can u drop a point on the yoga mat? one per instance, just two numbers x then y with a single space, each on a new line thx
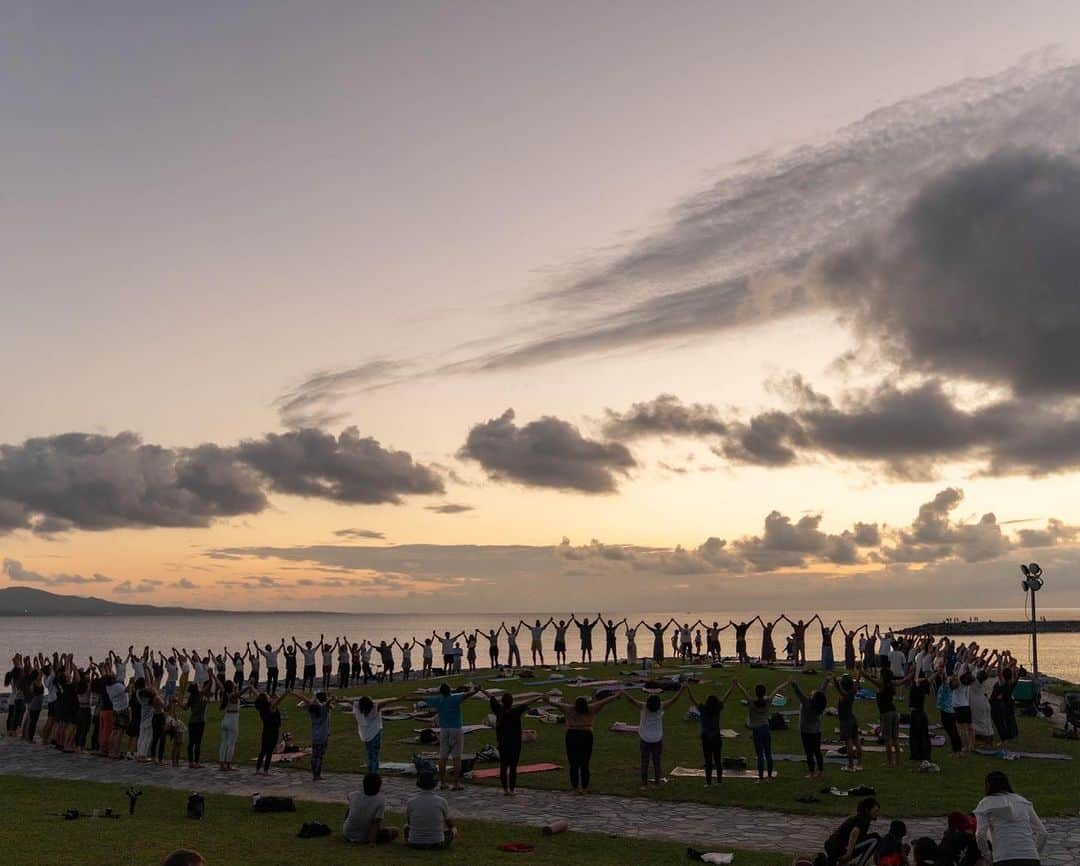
465 729
555 827
404 767
493 772
623 728
697 773
285 757
1042 756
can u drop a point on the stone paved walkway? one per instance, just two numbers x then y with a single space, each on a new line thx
695 824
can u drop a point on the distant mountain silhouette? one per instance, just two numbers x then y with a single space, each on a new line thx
26 601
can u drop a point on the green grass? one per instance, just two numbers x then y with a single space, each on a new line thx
32 833
615 763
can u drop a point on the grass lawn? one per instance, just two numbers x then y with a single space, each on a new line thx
230 832
615 763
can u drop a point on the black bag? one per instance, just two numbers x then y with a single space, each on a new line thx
777 722
734 763
311 829
428 737
196 806
274 804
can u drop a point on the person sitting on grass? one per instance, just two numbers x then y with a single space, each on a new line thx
843 845
364 819
651 733
451 739
428 825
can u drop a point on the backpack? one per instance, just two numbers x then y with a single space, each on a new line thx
311 829
196 806
274 804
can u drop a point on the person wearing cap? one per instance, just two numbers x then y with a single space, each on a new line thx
428 825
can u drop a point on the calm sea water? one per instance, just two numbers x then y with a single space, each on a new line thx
1059 654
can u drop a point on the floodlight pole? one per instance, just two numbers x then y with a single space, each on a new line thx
1034 645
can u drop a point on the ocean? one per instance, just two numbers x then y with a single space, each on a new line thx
1059 654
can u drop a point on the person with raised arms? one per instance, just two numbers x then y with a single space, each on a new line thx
269 713
658 637
513 654
492 637
447 641
451 740
631 644
758 710
309 652
406 656
712 743
741 628
369 725
580 720
585 630
537 644
290 664
508 732
610 628
651 732
560 641
271 657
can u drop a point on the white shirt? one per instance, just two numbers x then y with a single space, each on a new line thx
270 656
170 673
447 645
886 646
369 726
651 725
121 672
185 668
138 669
118 695
896 663
309 655
1012 826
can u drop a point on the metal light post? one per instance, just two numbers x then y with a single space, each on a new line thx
1033 582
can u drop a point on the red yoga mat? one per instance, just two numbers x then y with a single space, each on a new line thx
493 772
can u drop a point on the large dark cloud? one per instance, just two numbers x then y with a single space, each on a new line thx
346 468
548 452
731 254
907 430
666 415
933 535
16 573
96 482
978 278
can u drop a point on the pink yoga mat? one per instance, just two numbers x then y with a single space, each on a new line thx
493 772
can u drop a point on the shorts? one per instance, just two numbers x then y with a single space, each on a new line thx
537 646
560 646
448 661
890 728
963 715
451 741
309 672
849 729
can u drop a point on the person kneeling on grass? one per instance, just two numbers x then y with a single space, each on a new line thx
843 845
367 808
428 825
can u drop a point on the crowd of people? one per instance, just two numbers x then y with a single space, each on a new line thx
151 706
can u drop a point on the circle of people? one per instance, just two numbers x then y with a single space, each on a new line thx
97 706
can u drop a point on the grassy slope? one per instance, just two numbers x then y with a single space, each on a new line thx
615 759
231 833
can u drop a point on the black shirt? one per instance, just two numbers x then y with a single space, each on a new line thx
508 721
917 694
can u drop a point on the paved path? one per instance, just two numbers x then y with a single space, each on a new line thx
695 824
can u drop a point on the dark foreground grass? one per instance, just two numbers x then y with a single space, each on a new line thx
1050 784
32 834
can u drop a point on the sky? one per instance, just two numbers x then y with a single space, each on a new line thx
488 306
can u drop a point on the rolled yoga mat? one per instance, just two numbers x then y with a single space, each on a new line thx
555 827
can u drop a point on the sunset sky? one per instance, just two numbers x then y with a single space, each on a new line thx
507 306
